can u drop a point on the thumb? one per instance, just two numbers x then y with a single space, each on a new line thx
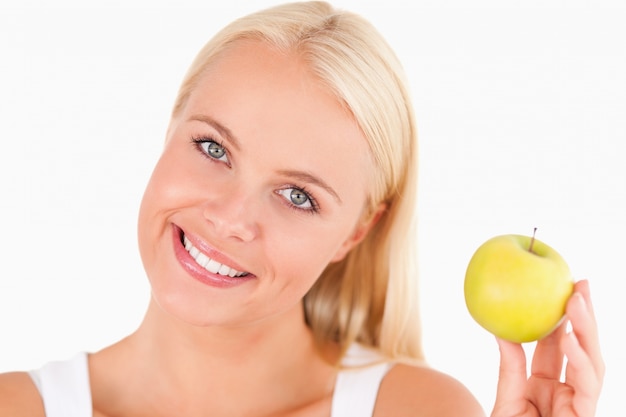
512 377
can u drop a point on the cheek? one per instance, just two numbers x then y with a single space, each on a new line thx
146 225
164 192
150 201
171 185
300 259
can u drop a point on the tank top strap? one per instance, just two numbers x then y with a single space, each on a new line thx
64 387
357 384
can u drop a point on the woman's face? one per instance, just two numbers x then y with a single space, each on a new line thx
262 182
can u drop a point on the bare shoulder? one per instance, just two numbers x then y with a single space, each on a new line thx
408 389
19 396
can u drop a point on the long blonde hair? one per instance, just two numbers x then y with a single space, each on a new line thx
370 296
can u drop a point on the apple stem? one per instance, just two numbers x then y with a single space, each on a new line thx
532 241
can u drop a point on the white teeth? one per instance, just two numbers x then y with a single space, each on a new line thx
202 259
224 270
208 263
213 266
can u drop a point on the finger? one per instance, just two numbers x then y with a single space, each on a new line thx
585 328
581 376
548 356
512 376
582 287
579 365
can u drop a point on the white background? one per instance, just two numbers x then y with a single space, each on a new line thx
521 109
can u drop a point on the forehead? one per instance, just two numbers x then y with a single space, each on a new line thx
264 94
256 68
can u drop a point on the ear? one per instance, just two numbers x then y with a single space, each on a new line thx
365 224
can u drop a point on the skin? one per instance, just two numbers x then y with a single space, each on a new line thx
543 393
202 348
240 204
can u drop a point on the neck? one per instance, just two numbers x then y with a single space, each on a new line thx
163 336
266 362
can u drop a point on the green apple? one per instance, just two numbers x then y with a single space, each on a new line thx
517 287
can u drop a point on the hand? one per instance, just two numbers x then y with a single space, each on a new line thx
544 394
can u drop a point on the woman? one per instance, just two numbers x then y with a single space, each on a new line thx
276 235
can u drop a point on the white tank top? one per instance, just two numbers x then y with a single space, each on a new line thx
64 385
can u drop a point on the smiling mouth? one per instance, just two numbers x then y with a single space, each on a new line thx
209 264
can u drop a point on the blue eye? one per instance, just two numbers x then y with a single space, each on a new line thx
299 199
212 149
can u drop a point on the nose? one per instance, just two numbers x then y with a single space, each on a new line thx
232 215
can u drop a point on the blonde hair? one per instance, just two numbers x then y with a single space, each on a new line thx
370 296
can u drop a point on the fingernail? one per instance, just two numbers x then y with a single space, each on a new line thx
572 337
578 298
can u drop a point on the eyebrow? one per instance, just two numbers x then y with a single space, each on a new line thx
299 175
221 129
311 179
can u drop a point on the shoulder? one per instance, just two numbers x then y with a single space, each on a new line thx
19 396
407 389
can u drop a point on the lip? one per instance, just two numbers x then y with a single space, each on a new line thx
198 272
